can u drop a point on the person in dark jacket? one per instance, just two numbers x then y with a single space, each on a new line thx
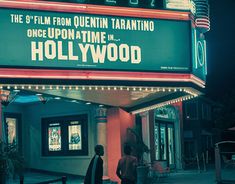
94 172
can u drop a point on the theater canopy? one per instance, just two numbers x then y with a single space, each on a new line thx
102 49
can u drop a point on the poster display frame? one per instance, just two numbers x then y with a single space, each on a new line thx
64 122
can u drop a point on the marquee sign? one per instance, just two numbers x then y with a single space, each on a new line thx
40 39
199 55
125 3
185 5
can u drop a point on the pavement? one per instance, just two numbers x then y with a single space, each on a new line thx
179 177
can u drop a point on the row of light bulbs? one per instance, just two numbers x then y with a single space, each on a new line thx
169 102
190 93
89 87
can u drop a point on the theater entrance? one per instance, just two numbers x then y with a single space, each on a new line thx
165 142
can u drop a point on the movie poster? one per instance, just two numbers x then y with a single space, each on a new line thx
11 130
54 136
75 141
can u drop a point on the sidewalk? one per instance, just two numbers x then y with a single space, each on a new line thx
190 177
194 177
180 177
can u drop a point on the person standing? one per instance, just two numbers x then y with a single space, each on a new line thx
94 172
126 168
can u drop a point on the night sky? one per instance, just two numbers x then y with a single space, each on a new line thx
221 49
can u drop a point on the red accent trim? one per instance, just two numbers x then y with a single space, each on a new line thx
97 75
96 9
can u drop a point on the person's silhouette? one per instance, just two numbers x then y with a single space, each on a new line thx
126 169
94 172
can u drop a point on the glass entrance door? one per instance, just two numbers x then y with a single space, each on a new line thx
170 139
164 142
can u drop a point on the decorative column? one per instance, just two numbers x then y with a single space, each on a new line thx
101 120
1 124
146 133
4 101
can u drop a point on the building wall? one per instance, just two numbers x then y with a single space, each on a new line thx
118 122
179 135
198 127
31 126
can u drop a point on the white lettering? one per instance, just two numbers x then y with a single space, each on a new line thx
98 55
60 52
67 51
71 56
84 51
50 49
135 54
112 52
37 51
124 53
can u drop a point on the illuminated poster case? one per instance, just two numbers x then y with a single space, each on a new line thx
12 128
65 136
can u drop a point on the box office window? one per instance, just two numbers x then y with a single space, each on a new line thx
65 136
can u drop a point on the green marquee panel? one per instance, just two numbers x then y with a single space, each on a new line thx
43 39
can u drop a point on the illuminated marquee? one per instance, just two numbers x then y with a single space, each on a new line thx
84 41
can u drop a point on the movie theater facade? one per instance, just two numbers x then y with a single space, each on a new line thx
75 75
